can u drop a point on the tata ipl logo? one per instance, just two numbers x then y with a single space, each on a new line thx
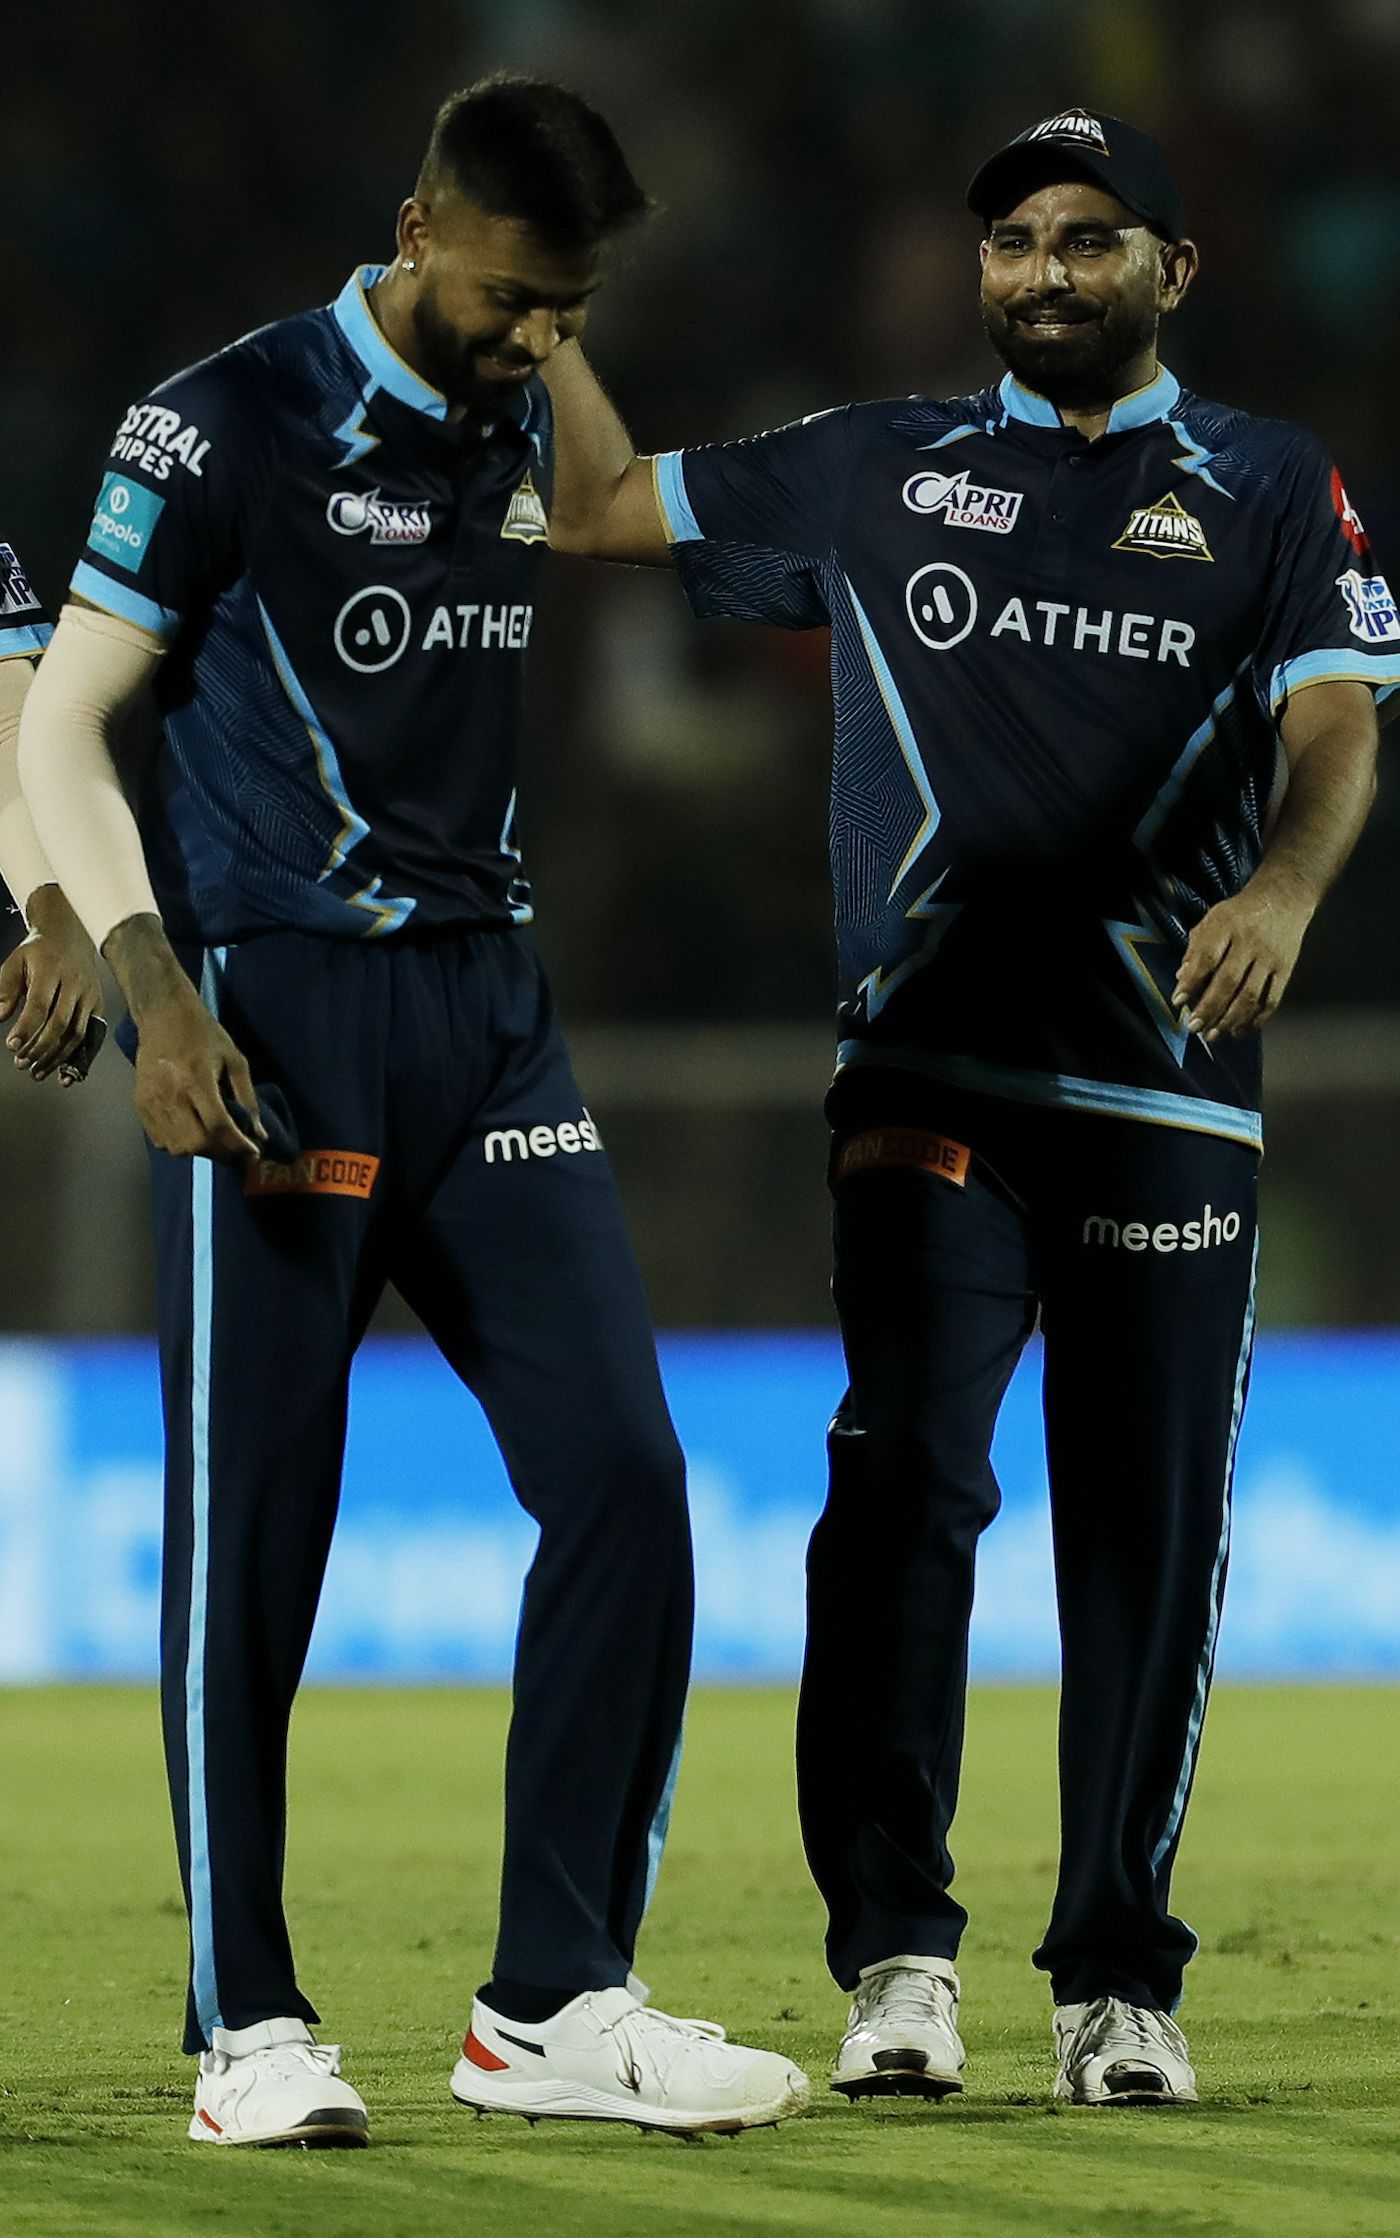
1375 617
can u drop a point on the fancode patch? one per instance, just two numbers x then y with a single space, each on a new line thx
963 502
316 1173
1166 530
1371 603
16 597
905 1146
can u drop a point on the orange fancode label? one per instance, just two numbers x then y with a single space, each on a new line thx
316 1173
905 1146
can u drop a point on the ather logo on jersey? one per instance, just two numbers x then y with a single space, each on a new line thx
963 502
373 628
376 626
1204 1234
943 606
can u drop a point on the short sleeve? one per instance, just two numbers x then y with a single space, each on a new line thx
25 628
1330 616
752 524
166 534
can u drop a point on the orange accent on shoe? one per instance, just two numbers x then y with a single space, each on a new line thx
474 2050
210 2123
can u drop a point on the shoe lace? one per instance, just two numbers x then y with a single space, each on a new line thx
648 2035
1142 2028
284 2059
908 1994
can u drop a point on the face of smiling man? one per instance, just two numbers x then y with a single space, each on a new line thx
1073 287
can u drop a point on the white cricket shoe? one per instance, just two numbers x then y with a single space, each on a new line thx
608 2057
902 2036
1116 2054
272 2084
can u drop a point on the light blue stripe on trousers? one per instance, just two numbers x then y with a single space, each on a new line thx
661 1824
1198 1707
206 1988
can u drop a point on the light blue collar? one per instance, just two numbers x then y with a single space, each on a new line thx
387 370
1155 402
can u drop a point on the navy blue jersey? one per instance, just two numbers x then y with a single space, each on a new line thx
1058 668
345 577
25 628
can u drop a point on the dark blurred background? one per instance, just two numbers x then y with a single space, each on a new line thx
175 176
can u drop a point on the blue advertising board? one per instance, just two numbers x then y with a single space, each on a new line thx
425 1575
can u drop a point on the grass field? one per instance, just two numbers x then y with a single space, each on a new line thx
1289 1873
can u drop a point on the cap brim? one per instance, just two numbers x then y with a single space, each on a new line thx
1012 173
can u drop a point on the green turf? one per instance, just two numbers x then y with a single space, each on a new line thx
1288 1874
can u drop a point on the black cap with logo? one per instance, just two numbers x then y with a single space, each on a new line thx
1075 143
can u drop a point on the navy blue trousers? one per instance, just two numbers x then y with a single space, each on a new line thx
957 1219
445 1150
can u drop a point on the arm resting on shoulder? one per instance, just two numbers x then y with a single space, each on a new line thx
605 504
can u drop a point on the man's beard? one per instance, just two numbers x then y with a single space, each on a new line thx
1081 369
449 362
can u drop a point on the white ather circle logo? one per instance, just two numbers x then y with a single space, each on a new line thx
372 628
942 605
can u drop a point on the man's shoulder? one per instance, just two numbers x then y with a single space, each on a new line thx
924 419
267 383
1270 450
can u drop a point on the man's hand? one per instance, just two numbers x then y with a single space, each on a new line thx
185 1063
1241 955
187 1068
49 988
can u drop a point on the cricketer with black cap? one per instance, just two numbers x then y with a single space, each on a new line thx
1105 660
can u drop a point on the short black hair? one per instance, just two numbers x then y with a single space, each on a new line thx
529 149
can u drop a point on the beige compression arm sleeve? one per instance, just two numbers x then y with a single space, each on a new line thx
23 863
91 674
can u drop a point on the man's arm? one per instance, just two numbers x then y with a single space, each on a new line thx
92 673
50 988
1241 955
605 504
